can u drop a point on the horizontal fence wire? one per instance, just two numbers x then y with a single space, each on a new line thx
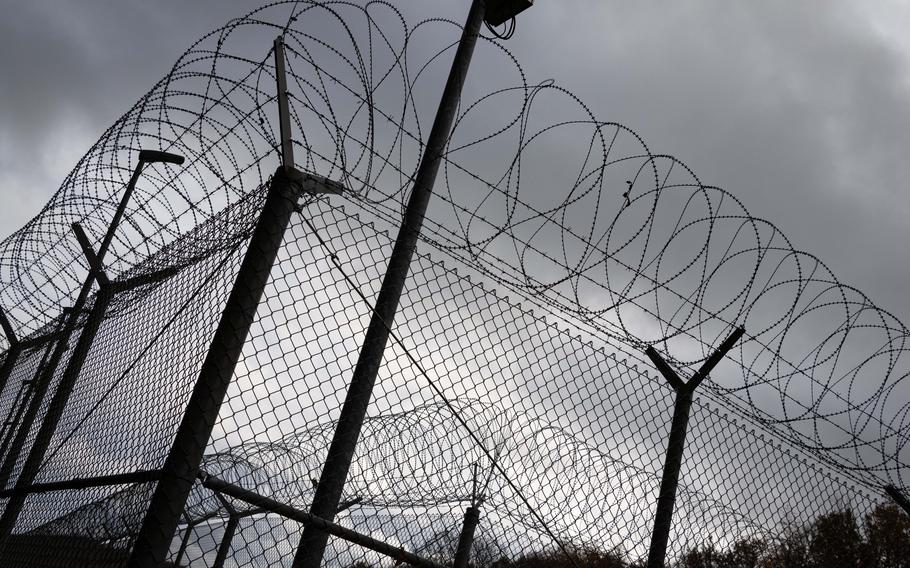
556 248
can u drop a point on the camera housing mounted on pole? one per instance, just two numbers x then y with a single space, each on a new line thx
501 11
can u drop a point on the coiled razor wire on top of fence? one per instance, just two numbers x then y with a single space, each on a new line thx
605 246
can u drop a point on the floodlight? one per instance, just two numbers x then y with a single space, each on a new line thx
501 11
152 156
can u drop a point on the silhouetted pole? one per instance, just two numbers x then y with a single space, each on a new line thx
676 443
341 451
12 352
182 463
466 538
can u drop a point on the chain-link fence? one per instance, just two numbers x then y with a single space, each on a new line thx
514 384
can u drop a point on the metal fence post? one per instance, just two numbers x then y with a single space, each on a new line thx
12 352
182 463
669 482
338 461
224 547
185 456
466 538
57 405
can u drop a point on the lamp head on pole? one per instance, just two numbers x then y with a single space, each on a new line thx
501 11
153 156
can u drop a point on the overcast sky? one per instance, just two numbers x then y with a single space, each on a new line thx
801 109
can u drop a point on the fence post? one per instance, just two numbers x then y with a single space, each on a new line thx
466 538
182 463
67 381
669 482
12 352
14 436
341 451
185 456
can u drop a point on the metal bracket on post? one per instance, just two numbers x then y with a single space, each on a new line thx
898 497
676 442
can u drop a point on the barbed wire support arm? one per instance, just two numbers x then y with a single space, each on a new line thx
669 482
329 489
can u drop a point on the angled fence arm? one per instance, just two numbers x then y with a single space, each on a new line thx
676 442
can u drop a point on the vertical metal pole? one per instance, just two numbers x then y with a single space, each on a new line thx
225 546
466 539
669 482
338 461
54 411
185 456
12 352
284 114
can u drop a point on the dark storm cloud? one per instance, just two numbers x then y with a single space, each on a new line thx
800 112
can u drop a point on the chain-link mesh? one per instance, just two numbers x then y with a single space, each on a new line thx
556 248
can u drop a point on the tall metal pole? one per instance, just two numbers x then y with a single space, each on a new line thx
338 461
182 464
185 456
466 538
669 482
